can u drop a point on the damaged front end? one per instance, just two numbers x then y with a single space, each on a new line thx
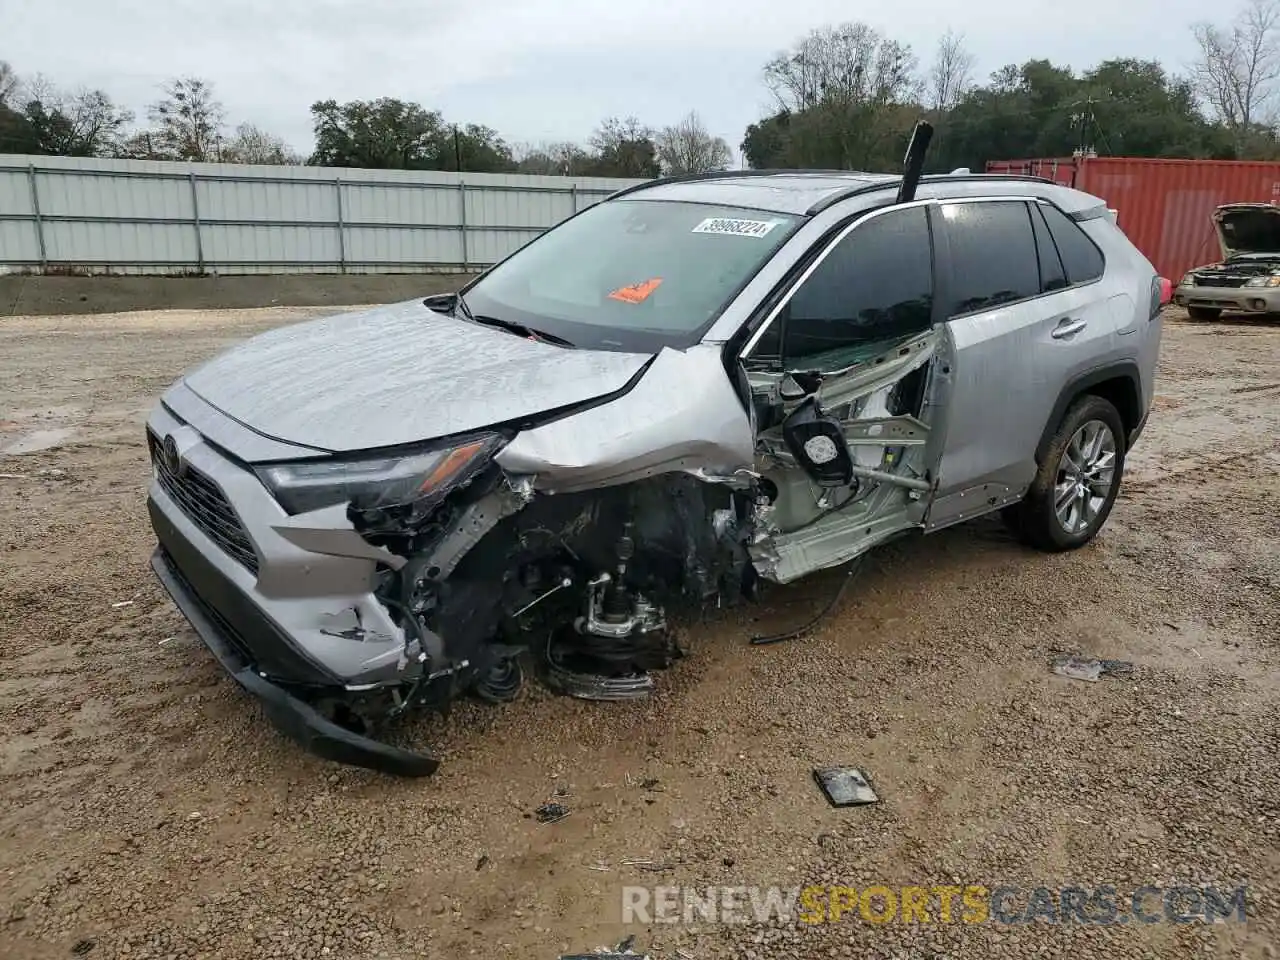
546 553
497 578
486 578
346 590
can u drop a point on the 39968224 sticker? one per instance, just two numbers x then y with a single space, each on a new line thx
735 228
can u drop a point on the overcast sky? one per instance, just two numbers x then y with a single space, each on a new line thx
535 70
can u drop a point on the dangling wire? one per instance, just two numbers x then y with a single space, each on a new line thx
854 566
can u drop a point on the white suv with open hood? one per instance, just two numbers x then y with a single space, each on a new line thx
1247 279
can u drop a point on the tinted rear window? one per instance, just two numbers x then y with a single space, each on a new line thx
993 255
1080 256
1052 276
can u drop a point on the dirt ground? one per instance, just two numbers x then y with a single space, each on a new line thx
147 810
23 295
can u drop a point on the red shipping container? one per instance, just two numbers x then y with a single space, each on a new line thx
1163 206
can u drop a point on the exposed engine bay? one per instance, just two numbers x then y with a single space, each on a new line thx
578 584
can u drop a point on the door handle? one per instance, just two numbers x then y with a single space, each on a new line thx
1068 328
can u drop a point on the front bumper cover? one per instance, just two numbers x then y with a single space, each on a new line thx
1235 299
291 715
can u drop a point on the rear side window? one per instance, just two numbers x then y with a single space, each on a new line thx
1080 256
1052 276
993 255
875 286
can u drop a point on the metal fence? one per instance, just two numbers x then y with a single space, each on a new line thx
87 216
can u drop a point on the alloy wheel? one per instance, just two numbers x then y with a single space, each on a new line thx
1085 475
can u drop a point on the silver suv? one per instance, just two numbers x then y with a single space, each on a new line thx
696 387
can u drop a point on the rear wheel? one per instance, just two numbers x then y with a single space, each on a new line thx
1077 483
1203 313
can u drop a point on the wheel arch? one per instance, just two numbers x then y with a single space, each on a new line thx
1120 383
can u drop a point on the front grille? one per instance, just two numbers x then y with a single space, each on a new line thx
206 505
1211 280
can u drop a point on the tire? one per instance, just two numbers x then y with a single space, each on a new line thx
1093 432
1204 314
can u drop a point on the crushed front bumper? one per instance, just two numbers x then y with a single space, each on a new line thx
219 613
1234 299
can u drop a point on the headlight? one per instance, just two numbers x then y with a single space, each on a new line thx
1188 280
375 484
1272 281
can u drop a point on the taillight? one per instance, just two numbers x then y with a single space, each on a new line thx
1161 293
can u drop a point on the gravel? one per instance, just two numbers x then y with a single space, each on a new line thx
148 811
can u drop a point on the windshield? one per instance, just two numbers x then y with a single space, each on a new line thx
635 275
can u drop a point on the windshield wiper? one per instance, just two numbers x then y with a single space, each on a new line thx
519 329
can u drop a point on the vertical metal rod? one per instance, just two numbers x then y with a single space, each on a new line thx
462 221
195 221
573 196
35 209
342 238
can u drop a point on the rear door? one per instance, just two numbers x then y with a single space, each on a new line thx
1019 326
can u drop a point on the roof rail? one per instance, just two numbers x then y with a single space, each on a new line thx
733 175
832 199
887 181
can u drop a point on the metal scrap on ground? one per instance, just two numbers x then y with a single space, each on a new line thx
845 786
1089 668
623 949
551 812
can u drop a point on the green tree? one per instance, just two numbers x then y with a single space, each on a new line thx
477 149
767 143
386 134
16 133
1121 107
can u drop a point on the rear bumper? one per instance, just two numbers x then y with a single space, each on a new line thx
187 585
1136 432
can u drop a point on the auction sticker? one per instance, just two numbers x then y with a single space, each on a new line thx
736 228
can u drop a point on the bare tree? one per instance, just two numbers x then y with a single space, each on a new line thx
951 75
624 147
251 144
143 145
849 64
688 147
73 123
614 131
560 159
1238 67
8 83
36 86
841 92
189 120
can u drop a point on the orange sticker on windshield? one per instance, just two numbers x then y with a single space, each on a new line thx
636 293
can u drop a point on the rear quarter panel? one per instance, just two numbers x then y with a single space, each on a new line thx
1130 275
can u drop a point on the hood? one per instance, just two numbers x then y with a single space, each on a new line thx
396 375
1248 228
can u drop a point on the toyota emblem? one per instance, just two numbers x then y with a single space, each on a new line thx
172 461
